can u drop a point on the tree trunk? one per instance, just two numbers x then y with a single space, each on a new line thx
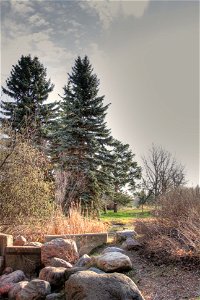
115 207
115 203
105 209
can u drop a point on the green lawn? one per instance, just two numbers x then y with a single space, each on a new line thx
125 215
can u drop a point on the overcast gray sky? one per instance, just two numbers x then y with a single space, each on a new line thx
145 53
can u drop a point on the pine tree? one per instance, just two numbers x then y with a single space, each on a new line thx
28 89
81 135
125 171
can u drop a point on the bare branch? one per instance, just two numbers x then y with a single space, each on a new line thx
162 172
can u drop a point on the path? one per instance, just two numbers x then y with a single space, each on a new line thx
166 282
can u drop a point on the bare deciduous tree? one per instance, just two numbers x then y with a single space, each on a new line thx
161 172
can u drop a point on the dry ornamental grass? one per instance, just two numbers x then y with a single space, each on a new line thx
58 224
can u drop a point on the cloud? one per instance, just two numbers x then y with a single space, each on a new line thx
108 11
22 7
11 29
36 44
74 23
36 20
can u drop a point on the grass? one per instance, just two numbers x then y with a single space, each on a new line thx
126 215
58 224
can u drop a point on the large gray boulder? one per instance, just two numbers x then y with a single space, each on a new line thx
58 262
7 281
88 285
83 261
55 296
61 248
121 236
36 289
93 269
69 272
113 249
55 276
131 244
113 261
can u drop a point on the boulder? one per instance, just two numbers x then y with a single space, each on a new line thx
124 234
83 261
113 261
62 248
55 276
7 281
58 262
55 296
113 249
20 240
69 272
131 244
95 270
12 294
36 289
87 285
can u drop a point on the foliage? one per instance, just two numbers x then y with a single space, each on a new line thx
124 173
174 233
162 172
80 135
26 190
28 89
122 198
125 170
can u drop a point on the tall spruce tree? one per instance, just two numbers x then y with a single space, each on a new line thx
125 172
81 136
28 89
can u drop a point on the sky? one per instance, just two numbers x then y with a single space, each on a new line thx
145 53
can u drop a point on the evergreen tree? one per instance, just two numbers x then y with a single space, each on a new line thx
81 136
125 171
28 89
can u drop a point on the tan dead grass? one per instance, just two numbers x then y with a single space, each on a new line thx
58 224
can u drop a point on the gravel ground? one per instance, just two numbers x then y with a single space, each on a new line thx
164 282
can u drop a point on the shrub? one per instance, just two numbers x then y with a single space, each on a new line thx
175 232
26 191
